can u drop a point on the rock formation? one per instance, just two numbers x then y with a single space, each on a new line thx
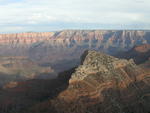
24 38
105 84
140 53
102 64
124 39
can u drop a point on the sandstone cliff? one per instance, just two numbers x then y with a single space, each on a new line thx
112 38
24 38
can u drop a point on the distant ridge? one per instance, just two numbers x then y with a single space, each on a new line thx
140 53
125 37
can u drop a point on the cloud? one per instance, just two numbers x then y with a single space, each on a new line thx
25 14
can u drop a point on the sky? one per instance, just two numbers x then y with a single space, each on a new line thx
52 15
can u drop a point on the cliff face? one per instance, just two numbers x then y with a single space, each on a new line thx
111 38
24 38
47 46
105 84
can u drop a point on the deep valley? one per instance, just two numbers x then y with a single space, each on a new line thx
75 71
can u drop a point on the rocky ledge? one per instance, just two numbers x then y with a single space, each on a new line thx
102 64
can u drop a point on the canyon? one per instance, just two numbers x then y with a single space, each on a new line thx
34 55
67 37
62 47
100 84
75 71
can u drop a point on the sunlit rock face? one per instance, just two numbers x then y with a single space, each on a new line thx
24 38
105 84
68 37
100 63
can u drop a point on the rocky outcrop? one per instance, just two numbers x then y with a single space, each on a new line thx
105 84
100 63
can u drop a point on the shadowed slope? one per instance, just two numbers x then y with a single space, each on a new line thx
28 93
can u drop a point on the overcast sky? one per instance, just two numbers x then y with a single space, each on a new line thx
51 15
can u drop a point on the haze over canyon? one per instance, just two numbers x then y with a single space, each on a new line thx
75 71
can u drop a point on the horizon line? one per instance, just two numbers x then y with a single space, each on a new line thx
1 33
